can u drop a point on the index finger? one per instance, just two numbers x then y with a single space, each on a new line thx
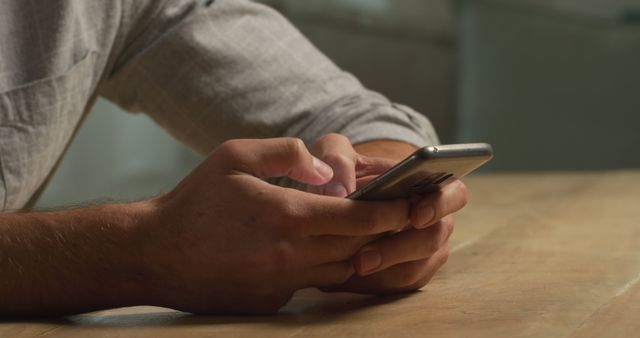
325 215
336 150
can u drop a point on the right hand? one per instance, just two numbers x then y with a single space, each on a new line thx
403 261
226 241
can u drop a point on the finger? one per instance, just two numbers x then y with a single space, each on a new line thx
321 215
325 275
433 207
325 249
405 246
363 181
372 166
275 158
336 150
368 168
403 277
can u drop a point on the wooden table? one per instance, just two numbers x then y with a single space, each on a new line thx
544 255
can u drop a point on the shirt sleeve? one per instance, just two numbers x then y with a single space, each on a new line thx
208 71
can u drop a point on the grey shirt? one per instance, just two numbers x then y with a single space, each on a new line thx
206 71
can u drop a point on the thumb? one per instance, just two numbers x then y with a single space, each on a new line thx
276 157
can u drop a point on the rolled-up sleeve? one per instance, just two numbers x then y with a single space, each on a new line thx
208 71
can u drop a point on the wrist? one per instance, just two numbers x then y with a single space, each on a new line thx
137 276
72 261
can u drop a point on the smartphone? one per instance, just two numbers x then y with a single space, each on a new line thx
426 170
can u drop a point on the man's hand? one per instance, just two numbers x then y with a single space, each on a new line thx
223 241
226 241
408 259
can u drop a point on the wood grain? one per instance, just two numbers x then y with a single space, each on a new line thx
534 255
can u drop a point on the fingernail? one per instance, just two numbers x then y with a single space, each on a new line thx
425 216
322 168
335 189
368 261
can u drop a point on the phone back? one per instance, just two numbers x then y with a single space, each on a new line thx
425 171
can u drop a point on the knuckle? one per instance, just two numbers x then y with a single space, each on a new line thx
418 285
463 192
297 151
448 225
280 258
443 255
283 211
229 149
290 218
411 275
338 160
295 145
432 244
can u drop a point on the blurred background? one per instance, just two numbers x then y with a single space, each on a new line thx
552 84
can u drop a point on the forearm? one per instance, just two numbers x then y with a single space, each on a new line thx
70 261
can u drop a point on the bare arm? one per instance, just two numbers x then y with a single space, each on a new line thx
70 261
222 226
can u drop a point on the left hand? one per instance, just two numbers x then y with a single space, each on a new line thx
406 260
